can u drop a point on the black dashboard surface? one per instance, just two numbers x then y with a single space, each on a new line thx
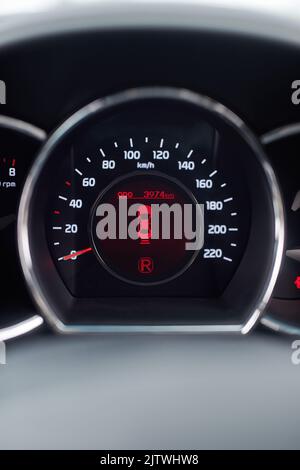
144 392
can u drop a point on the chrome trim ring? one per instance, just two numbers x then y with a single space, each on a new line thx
280 133
124 97
274 135
35 321
23 127
21 328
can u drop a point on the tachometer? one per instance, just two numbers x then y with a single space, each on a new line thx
210 265
19 143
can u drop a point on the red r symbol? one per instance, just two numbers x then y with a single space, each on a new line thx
297 282
145 265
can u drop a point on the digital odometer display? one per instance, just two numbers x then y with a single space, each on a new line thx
148 155
150 259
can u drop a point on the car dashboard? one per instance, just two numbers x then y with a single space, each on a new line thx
186 109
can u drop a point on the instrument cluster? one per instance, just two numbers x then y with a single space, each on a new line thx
158 197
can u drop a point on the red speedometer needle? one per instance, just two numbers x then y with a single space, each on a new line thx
77 253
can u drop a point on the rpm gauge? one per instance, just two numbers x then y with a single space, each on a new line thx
19 143
153 208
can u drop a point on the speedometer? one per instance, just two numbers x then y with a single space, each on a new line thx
192 181
177 173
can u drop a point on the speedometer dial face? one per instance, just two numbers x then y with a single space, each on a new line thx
170 165
156 194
